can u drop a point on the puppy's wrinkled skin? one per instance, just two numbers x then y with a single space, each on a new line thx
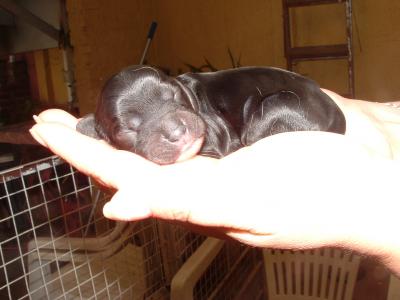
168 119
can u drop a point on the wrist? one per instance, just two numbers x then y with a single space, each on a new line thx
376 229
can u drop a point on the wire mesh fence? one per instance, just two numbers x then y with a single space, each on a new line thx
235 273
56 244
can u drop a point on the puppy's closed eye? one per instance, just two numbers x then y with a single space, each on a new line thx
125 138
134 122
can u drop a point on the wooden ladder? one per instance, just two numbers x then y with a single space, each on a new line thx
322 52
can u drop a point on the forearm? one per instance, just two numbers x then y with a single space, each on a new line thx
376 228
292 190
346 200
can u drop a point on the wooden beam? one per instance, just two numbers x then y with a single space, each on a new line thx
28 17
17 134
294 3
316 52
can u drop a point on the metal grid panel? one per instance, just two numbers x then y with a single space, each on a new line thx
235 273
56 244
177 245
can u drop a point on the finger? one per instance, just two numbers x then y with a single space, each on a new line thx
92 157
124 207
333 95
188 191
56 116
37 119
172 192
395 104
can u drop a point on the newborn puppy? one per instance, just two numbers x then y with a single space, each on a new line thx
167 119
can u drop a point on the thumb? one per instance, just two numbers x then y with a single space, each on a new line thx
123 207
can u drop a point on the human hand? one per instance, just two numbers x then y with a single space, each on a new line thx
292 190
375 126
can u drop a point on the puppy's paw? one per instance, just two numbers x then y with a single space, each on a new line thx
86 126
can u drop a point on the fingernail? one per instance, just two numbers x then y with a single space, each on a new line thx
37 137
37 119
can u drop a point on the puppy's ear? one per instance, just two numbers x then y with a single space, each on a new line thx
86 125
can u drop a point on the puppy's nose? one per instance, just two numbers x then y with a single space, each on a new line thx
175 134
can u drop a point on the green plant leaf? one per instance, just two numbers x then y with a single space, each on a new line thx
210 66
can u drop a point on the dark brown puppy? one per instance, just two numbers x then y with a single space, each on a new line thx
167 119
